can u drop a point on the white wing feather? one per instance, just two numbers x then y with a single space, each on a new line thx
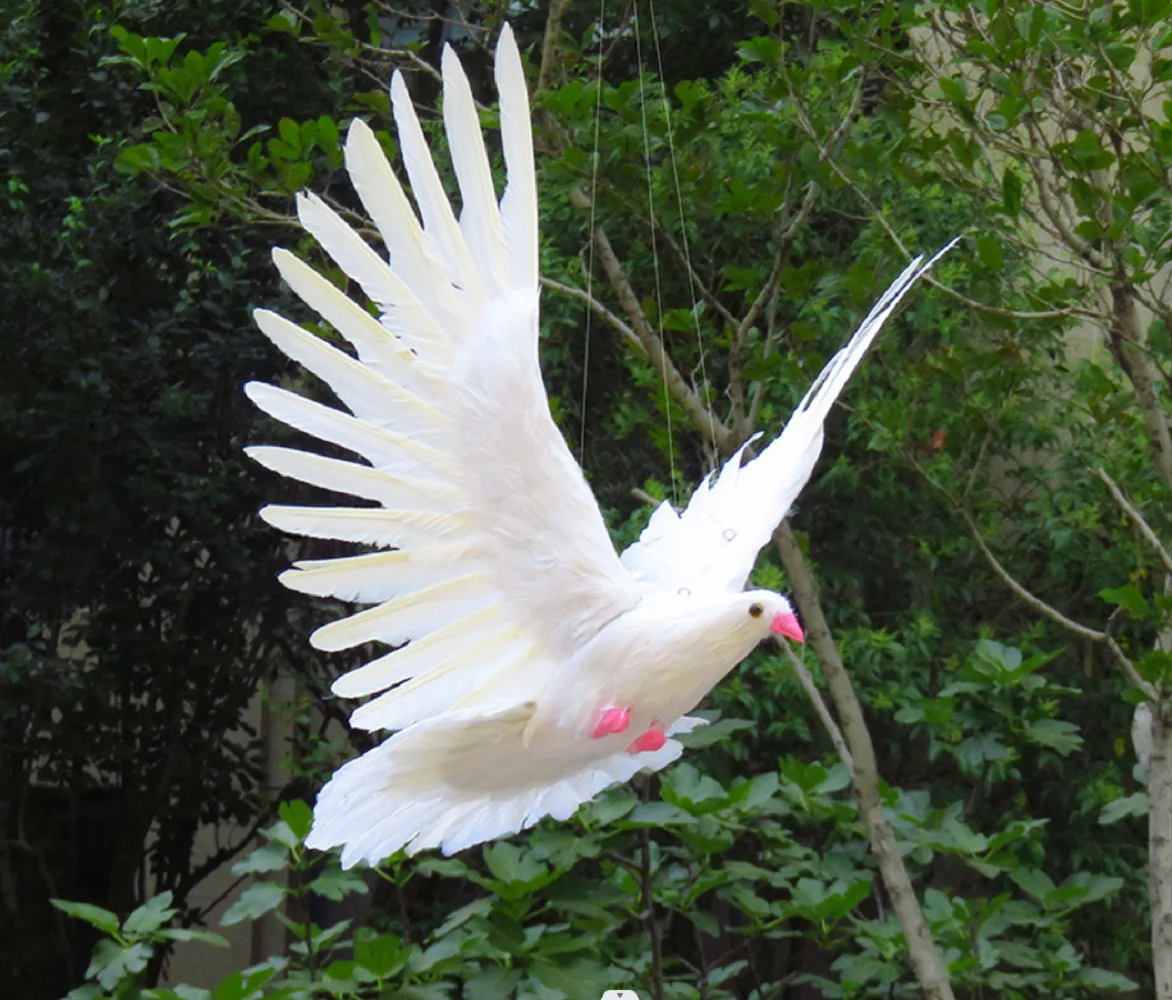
712 546
502 563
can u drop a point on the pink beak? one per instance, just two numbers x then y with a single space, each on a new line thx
787 625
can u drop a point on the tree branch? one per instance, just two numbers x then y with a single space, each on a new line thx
819 704
583 296
864 773
701 415
1047 611
549 44
1137 518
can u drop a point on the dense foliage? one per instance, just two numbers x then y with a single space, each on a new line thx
758 169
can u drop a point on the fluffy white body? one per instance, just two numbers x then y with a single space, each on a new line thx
529 667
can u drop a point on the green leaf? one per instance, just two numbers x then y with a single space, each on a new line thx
656 814
457 918
255 901
582 980
510 864
179 992
140 158
499 984
611 806
1033 881
1102 979
112 965
270 858
336 884
194 934
1123 808
713 733
151 915
297 815
692 790
989 253
1055 733
281 833
763 49
859 970
381 955
290 133
1127 597
1011 192
327 133
103 920
954 89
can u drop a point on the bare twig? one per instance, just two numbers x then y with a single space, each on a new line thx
1040 606
1137 518
583 296
1048 611
819 704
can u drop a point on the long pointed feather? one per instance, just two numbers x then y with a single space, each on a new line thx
369 395
379 576
408 617
438 220
376 346
378 281
379 446
419 657
412 254
519 204
480 220
366 525
356 480
431 693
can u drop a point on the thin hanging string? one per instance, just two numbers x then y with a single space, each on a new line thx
671 443
675 170
590 242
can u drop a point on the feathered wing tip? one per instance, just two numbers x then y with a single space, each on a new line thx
441 279
714 543
829 383
461 780
785 466
519 204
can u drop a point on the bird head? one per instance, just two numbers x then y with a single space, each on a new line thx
772 614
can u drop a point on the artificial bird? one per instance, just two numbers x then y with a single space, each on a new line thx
531 666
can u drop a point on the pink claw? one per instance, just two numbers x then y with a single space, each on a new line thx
614 720
653 739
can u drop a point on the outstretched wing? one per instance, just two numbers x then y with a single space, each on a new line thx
712 546
496 562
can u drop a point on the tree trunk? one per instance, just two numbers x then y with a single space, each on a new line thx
1160 848
1130 345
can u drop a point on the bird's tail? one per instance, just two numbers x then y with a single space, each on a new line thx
460 779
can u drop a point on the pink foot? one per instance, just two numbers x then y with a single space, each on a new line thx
653 739
614 720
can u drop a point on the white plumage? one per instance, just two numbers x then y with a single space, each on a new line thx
530 668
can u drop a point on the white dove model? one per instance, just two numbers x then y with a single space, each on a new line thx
531 666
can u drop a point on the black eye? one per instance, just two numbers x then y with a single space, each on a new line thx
755 610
